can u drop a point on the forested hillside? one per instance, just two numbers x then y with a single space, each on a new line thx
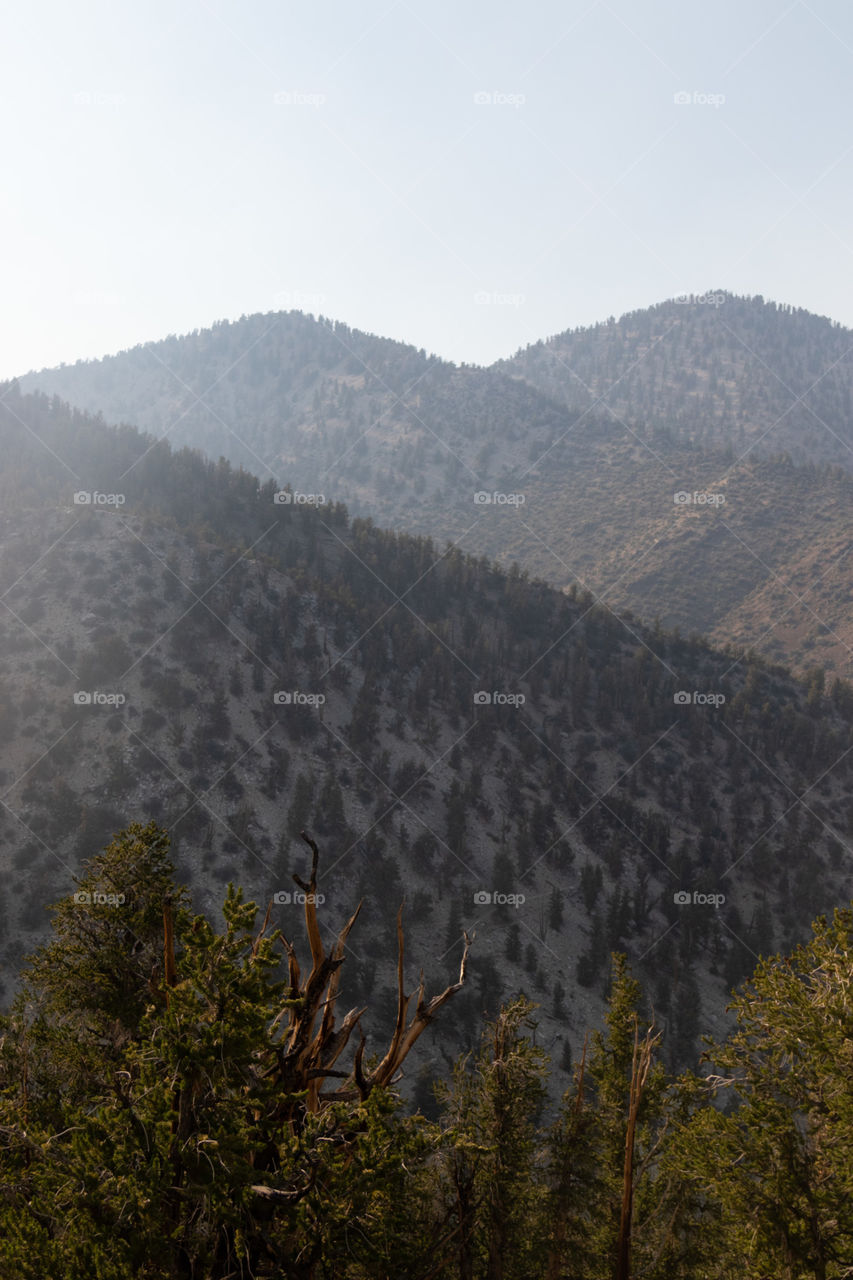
567 458
712 368
500 754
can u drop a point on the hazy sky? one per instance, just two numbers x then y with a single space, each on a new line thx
466 176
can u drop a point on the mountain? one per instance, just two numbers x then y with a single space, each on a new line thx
714 369
510 758
520 463
378 423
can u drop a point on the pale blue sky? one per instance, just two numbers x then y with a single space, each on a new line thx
166 165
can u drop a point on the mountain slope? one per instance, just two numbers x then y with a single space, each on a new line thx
316 397
716 369
595 799
576 497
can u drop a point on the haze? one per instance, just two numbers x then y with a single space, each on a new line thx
467 178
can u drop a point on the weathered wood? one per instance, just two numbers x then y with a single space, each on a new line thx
170 971
312 1041
641 1061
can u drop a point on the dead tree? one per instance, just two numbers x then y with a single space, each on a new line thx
312 1043
640 1065
299 1068
304 1047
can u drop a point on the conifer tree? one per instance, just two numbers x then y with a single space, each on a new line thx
488 1166
776 1163
193 1122
604 1209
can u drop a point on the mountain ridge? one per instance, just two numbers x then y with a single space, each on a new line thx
585 491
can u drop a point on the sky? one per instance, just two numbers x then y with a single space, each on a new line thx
465 176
